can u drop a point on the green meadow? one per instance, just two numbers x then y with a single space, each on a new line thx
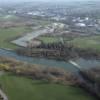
92 42
21 88
7 34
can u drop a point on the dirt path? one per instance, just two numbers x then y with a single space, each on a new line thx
3 95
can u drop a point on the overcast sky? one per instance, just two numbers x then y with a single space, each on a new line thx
41 0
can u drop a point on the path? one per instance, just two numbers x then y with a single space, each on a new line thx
3 95
75 64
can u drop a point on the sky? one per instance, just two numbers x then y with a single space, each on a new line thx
41 0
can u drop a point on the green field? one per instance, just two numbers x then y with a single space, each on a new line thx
92 42
8 17
47 39
12 32
9 33
54 39
20 88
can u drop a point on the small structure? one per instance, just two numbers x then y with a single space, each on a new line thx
80 24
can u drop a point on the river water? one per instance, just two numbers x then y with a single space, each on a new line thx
51 63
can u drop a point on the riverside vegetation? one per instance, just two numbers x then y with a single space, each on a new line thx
38 80
58 51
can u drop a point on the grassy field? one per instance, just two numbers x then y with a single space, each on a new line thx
9 33
8 17
20 88
54 39
48 39
92 42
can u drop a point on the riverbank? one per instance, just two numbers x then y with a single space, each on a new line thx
41 72
84 63
91 81
58 51
40 61
59 76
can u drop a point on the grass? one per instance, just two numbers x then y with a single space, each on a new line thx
8 17
92 42
41 21
20 88
54 39
47 39
9 33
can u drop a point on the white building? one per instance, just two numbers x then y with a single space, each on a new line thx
80 24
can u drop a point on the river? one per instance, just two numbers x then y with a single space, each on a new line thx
51 63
